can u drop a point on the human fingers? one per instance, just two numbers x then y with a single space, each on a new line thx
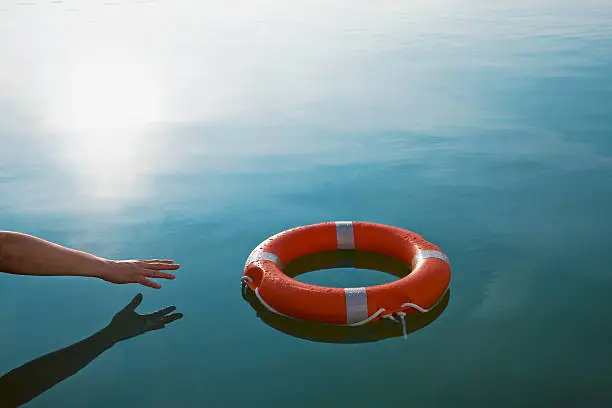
134 303
171 318
149 283
167 261
161 323
160 265
157 274
162 312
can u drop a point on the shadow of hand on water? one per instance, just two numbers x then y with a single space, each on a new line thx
26 382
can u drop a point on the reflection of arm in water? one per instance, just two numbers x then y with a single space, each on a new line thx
37 376
24 254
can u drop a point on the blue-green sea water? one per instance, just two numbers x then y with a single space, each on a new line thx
194 130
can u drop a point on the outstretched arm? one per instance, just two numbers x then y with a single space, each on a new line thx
28 255
32 379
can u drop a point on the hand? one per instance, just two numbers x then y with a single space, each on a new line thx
127 323
138 271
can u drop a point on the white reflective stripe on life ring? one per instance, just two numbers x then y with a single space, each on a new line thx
356 305
345 235
263 256
422 255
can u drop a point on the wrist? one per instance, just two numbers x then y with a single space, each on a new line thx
99 268
107 337
103 339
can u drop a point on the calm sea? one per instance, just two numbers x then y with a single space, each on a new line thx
194 130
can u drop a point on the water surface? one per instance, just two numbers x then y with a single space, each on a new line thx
193 130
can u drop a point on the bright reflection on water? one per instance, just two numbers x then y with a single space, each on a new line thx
194 130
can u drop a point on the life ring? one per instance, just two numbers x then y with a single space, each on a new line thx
327 333
419 291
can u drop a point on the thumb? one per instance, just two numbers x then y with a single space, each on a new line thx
134 303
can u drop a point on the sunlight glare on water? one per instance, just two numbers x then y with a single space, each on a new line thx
193 130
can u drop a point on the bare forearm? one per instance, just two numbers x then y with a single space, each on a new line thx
27 255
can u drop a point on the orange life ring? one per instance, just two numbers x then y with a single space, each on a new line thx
330 333
421 290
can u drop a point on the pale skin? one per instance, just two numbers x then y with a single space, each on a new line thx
24 254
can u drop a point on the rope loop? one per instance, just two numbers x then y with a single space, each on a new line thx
402 316
243 282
